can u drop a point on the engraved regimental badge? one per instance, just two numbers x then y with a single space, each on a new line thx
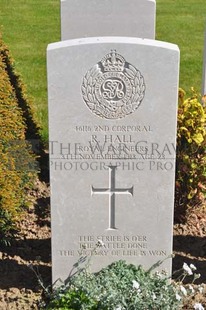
113 88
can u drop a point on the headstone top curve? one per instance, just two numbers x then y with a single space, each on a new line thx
101 40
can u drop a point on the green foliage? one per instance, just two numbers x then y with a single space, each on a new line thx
19 92
28 26
191 149
176 22
17 162
118 286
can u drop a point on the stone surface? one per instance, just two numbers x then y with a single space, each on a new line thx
204 70
92 18
112 125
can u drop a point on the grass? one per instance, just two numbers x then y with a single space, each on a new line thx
29 25
183 23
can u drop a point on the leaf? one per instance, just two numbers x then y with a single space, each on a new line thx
141 81
132 69
90 81
135 106
183 128
85 81
136 97
198 138
91 105
93 71
138 90
87 75
89 89
143 89
129 73
136 81
90 97
191 194
83 90
85 98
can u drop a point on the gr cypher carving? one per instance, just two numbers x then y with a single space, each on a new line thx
113 88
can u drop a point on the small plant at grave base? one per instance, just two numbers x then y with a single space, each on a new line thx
191 150
188 292
122 286
118 286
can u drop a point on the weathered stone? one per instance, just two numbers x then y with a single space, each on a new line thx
112 125
92 18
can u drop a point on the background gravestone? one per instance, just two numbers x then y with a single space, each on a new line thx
112 115
92 18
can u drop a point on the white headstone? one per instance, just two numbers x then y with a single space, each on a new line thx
92 18
112 125
204 70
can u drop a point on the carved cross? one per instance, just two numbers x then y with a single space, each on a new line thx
112 191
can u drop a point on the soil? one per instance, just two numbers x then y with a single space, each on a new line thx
30 254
